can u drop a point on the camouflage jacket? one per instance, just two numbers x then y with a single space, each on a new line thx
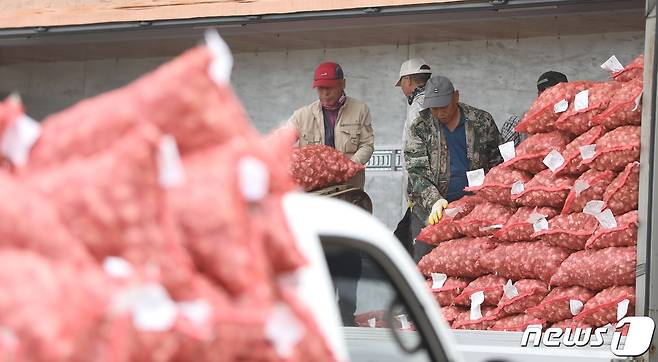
428 161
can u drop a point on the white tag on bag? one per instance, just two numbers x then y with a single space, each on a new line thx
612 65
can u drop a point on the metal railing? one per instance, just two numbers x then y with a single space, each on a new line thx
385 160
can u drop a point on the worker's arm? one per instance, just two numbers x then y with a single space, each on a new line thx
293 121
367 139
492 140
424 191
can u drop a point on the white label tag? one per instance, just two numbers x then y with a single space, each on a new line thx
517 188
561 106
197 311
612 65
117 267
222 64
510 290
581 101
476 300
637 103
580 186
404 322
453 211
492 227
170 166
535 216
284 330
539 225
475 178
18 139
254 178
587 152
593 207
607 219
554 160
438 280
622 308
153 309
372 322
507 151
575 306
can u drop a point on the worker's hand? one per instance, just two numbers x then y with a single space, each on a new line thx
437 211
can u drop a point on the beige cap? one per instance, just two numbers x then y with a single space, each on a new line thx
413 66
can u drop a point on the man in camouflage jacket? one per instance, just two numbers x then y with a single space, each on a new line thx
431 142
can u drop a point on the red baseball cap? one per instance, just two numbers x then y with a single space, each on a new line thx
327 74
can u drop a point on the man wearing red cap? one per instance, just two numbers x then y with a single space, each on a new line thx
335 119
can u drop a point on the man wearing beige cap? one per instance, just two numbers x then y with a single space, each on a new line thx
414 73
449 139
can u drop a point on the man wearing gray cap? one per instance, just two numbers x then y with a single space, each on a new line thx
413 76
448 139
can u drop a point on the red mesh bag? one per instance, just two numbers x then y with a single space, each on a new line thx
208 218
373 319
572 159
571 324
450 313
491 285
531 152
556 307
457 257
179 97
516 323
616 149
452 287
42 232
625 107
625 234
485 219
545 189
114 204
378 319
569 231
589 186
622 195
530 293
447 228
51 307
498 183
525 260
579 122
633 71
541 116
602 308
318 166
463 320
598 269
520 225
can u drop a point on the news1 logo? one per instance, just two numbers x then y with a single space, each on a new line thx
637 343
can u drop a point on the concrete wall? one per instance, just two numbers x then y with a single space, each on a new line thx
498 76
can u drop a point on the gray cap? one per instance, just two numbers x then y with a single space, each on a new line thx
438 92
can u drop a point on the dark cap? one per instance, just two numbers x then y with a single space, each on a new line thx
327 74
438 92
550 79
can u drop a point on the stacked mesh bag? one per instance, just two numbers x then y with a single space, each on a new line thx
135 233
550 235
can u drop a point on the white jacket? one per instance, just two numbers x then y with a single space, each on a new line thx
413 112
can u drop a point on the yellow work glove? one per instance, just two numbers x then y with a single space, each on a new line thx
437 211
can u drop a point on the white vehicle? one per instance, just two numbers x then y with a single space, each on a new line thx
390 282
